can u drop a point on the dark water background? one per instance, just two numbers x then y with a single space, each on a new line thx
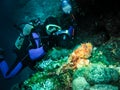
8 35
7 39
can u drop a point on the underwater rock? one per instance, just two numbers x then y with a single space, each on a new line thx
111 50
50 65
58 53
113 46
48 84
98 57
80 83
80 72
103 87
41 81
108 53
78 58
54 59
85 76
31 9
98 74
118 69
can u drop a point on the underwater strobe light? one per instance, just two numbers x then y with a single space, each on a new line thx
66 6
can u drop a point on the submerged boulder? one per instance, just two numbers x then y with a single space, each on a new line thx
80 83
103 87
98 74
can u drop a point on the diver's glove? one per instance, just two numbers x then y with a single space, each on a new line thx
66 6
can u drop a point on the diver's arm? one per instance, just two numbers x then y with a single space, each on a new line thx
38 51
26 31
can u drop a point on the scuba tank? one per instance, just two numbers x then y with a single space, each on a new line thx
20 39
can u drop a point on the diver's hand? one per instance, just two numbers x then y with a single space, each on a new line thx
27 29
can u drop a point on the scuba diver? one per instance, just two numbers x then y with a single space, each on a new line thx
33 43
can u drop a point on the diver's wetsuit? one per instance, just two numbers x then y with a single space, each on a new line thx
23 57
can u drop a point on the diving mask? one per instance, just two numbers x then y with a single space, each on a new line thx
50 28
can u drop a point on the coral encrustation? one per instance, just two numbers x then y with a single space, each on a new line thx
78 58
